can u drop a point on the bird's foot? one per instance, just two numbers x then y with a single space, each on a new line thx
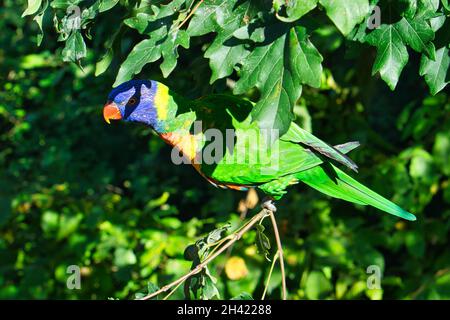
269 204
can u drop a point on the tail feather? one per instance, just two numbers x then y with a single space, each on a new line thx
335 183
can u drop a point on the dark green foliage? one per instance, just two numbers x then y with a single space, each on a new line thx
266 43
74 191
262 241
202 285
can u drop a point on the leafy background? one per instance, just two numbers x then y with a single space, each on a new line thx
74 191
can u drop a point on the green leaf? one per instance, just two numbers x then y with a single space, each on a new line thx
437 22
68 224
346 14
64 4
441 150
427 8
106 5
408 8
124 257
191 253
32 8
39 19
295 9
243 296
262 241
306 60
317 285
144 52
104 62
170 222
442 285
374 294
210 16
139 22
392 55
151 288
225 18
209 289
278 67
222 57
75 48
170 52
225 52
138 295
417 34
446 4
436 72
164 40
391 41
49 222
112 46
216 234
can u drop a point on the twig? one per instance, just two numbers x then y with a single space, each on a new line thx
233 238
221 267
275 258
190 14
280 253
424 286
242 216
172 291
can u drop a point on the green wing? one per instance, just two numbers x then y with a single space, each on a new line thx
298 135
249 160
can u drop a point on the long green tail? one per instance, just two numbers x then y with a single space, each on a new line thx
335 183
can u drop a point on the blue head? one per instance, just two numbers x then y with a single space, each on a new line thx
133 101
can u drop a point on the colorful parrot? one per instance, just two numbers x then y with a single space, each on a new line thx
268 164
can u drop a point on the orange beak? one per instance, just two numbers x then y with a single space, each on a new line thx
111 111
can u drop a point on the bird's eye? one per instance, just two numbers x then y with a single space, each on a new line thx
132 101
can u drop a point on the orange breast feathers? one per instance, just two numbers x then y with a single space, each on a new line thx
186 143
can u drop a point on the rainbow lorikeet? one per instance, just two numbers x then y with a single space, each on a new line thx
248 157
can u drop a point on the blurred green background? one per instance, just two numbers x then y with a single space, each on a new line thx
75 191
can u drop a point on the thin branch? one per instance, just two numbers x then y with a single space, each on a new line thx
280 253
242 217
424 286
172 291
190 14
221 267
233 238
275 258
